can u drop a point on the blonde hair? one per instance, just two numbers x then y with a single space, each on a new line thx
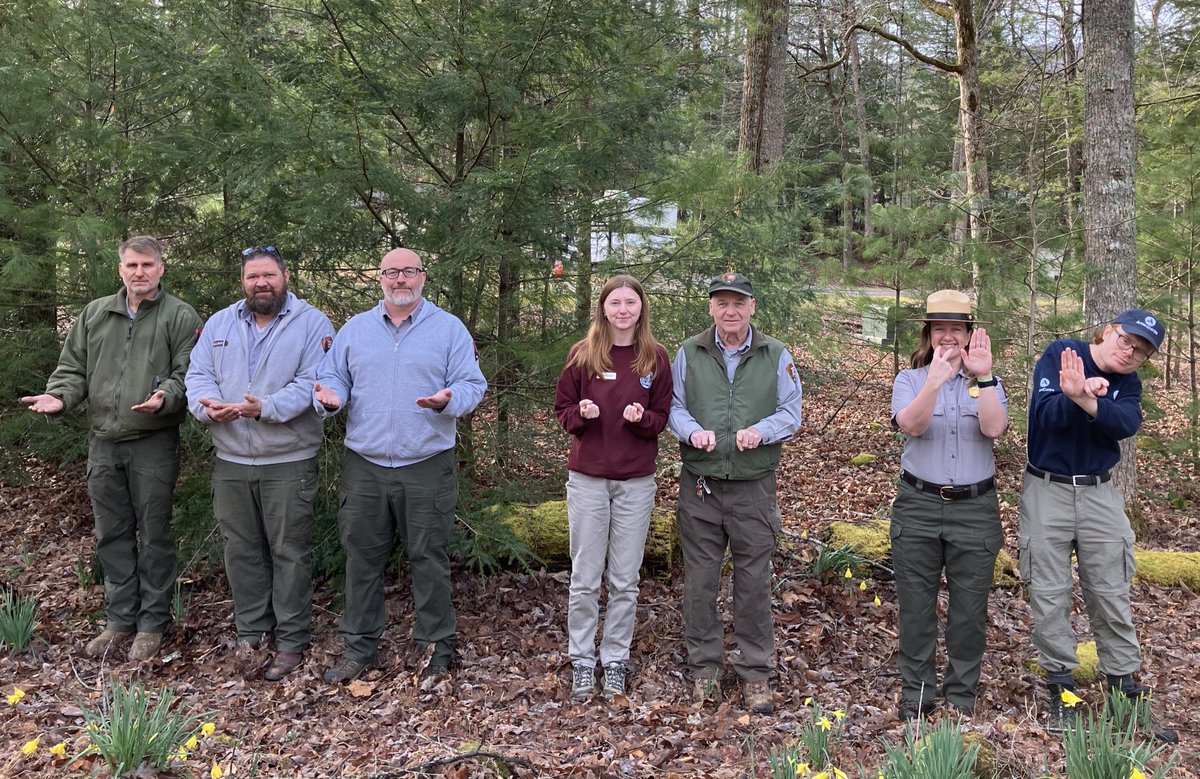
591 353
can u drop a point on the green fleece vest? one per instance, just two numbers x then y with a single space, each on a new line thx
727 408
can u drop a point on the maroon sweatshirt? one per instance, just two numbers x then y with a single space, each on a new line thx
608 447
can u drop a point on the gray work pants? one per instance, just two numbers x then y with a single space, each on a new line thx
1056 520
608 519
266 516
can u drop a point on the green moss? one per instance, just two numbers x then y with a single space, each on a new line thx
1168 569
866 458
869 539
543 528
1088 670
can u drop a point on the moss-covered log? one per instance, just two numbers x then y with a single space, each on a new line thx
543 528
872 541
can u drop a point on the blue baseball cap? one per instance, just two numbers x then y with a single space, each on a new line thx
1140 322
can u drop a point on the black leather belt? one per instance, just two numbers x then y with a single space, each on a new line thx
1085 480
949 491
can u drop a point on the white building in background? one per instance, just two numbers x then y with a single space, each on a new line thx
638 226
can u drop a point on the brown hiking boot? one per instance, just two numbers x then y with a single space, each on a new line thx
283 664
106 642
145 646
758 696
345 670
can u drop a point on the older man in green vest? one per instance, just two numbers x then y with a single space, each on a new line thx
737 399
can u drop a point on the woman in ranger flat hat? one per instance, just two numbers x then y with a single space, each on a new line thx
946 516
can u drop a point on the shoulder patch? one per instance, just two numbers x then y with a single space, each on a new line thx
791 372
326 342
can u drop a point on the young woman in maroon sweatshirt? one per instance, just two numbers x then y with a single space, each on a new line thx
613 397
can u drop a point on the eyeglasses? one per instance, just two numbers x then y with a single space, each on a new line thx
250 251
394 273
1126 343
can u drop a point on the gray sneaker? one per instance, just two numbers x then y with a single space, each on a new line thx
583 681
614 679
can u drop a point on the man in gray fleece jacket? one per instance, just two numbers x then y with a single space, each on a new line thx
251 381
405 371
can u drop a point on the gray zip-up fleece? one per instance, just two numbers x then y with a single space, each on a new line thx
289 429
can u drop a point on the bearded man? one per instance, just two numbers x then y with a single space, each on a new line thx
251 381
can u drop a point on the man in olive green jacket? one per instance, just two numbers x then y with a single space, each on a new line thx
736 400
127 354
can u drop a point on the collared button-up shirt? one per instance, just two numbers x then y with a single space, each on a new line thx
952 450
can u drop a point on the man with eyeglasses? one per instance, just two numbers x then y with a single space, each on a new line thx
251 382
127 355
405 371
1086 399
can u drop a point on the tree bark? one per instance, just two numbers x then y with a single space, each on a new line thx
761 132
1108 183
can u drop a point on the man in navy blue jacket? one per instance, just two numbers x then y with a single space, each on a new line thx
1086 398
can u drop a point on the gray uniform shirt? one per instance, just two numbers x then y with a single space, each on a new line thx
952 450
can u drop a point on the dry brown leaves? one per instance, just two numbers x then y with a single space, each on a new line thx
509 699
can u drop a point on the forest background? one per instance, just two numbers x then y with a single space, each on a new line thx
880 149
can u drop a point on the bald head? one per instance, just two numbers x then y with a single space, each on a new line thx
399 258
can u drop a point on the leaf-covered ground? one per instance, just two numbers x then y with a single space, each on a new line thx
509 699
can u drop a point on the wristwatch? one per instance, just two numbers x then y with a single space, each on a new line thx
989 383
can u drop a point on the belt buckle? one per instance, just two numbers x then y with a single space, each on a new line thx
942 492
1083 480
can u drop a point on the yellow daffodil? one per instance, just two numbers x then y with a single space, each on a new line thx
30 747
15 698
59 749
181 754
207 729
863 586
1136 774
1069 698
825 723
804 534
849 575
822 775
838 714
877 601
808 701
838 773
216 772
192 742
93 727
802 769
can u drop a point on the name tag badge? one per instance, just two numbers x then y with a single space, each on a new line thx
609 376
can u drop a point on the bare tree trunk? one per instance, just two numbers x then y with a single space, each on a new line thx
761 132
864 134
1108 201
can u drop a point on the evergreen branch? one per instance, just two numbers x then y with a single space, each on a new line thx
370 82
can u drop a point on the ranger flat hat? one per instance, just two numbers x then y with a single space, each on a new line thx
948 305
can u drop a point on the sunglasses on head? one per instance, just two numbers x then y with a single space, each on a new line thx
250 251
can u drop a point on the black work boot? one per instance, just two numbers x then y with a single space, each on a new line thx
1062 711
1139 693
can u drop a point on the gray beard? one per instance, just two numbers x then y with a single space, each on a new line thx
267 306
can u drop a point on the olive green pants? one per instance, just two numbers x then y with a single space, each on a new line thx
961 538
130 484
415 503
266 516
743 517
